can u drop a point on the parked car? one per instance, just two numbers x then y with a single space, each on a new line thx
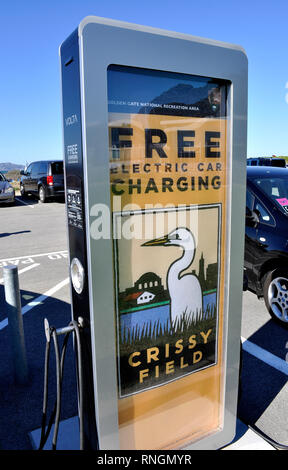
44 179
7 192
266 238
267 161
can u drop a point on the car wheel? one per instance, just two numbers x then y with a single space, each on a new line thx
275 291
42 194
22 190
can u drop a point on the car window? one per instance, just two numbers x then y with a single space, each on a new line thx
34 170
57 168
28 169
278 162
2 178
276 188
249 200
42 168
264 215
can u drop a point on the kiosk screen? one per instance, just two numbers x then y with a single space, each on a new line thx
169 175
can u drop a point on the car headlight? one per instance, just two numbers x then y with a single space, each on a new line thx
9 190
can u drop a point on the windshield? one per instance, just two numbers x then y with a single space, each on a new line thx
2 177
276 188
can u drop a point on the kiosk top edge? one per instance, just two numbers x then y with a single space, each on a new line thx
149 29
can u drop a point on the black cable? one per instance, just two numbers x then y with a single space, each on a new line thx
273 443
59 390
76 332
63 352
59 378
45 434
45 396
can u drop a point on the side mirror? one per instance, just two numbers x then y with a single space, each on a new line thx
22 172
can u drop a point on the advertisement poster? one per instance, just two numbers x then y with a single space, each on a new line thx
168 176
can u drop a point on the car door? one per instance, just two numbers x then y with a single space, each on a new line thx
42 173
26 181
2 183
250 238
264 231
34 177
259 227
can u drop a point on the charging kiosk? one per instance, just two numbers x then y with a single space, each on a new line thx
155 170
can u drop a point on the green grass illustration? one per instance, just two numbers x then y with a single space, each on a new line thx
155 333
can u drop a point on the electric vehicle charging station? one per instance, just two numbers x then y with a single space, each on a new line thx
155 177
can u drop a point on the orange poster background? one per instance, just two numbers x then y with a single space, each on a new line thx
180 412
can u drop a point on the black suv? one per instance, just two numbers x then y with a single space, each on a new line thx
266 238
44 179
267 161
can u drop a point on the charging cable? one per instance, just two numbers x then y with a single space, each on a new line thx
275 444
52 333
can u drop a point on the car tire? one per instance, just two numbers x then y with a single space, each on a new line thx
275 292
42 195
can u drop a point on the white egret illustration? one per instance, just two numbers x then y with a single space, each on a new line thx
184 290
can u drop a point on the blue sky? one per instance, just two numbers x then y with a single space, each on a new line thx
30 122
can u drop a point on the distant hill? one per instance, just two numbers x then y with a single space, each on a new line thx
10 166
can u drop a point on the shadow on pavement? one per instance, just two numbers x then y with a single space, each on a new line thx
25 200
7 234
33 200
21 406
262 383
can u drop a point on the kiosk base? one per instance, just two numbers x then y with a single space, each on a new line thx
68 439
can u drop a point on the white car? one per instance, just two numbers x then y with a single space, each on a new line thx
7 192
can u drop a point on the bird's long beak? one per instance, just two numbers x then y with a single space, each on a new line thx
157 241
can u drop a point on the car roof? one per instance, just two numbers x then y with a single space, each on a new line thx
45 161
266 171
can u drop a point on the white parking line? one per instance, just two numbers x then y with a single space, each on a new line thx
63 252
31 266
26 204
39 300
265 356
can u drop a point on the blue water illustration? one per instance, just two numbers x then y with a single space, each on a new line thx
161 314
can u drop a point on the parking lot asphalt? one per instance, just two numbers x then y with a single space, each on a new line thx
33 236
265 370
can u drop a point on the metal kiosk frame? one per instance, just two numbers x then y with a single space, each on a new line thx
85 58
